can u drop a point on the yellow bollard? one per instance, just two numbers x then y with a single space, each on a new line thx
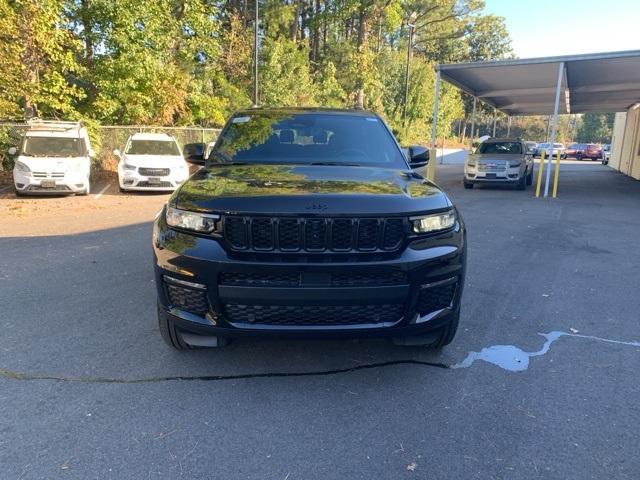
540 168
555 176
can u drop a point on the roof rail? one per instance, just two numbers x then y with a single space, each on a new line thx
57 125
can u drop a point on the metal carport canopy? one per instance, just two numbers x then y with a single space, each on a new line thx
599 82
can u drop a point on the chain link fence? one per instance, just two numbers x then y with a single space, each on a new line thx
105 139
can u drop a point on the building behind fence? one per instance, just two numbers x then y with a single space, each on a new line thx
110 137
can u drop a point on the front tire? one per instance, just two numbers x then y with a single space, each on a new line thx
522 183
168 331
530 177
433 340
467 185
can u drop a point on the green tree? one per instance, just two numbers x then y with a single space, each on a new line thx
596 127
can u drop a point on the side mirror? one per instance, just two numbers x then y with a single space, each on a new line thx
117 153
92 153
418 156
12 151
194 153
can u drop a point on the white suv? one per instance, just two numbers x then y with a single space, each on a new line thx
54 158
151 161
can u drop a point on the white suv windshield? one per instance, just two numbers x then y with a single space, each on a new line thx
507 148
52 147
152 147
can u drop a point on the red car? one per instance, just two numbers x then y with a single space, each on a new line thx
583 150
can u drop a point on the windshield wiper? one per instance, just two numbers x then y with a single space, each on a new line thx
337 164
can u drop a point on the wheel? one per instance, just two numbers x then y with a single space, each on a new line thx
530 177
176 340
467 184
18 192
122 190
522 183
436 340
448 332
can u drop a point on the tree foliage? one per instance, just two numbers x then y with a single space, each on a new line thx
178 62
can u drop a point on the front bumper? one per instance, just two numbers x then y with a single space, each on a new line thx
134 181
409 293
475 175
69 183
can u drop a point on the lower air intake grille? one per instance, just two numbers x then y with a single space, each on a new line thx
194 301
436 298
313 315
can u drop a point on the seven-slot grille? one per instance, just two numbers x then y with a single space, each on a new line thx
313 234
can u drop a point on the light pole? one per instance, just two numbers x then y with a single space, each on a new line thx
255 59
412 28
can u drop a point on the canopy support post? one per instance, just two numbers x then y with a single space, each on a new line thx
554 127
431 166
508 126
473 121
495 119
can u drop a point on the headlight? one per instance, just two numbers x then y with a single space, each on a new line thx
126 166
434 223
22 167
471 163
198 222
514 164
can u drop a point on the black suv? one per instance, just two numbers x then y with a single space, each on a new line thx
308 222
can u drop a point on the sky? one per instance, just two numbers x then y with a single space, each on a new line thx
543 28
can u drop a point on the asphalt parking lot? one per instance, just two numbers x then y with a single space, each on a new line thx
541 381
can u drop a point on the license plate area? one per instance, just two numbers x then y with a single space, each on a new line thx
48 184
154 181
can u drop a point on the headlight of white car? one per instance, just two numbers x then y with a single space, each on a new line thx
198 222
434 223
128 166
514 164
22 167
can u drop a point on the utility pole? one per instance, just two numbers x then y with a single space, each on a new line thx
412 28
255 59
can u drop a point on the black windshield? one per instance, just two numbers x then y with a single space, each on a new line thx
152 147
307 138
501 148
52 147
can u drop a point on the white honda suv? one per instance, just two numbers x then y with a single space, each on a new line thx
151 161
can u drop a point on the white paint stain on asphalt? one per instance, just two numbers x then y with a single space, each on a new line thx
514 359
99 194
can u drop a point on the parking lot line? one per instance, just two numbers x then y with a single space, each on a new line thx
99 194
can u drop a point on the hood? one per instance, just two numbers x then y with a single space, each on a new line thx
305 189
154 161
53 164
497 158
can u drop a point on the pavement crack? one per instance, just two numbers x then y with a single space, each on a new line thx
212 378
507 357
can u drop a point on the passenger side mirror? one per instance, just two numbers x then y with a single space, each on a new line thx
117 153
418 156
92 153
12 151
194 153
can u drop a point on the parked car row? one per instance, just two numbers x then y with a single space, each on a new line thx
579 151
54 157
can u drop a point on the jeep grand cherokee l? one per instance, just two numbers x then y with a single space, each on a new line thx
308 222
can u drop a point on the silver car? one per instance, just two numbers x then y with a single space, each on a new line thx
500 160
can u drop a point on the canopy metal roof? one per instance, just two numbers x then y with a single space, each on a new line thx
599 82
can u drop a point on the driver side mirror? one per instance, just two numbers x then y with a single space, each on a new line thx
194 153
418 156
117 153
12 151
